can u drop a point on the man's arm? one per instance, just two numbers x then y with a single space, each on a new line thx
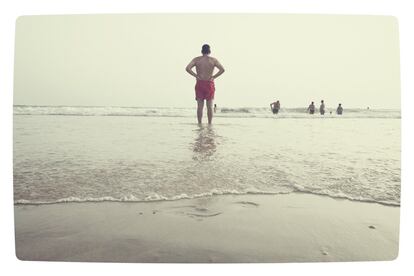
220 67
189 68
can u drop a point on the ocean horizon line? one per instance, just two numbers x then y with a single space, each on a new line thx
191 107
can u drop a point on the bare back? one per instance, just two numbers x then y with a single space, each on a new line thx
205 66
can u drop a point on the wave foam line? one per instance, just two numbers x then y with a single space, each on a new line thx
149 198
156 197
300 189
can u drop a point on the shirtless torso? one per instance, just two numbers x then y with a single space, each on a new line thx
205 67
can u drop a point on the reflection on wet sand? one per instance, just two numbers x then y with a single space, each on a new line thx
205 143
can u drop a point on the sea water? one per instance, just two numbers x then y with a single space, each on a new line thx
67 154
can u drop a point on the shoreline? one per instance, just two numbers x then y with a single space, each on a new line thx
296 227
23 202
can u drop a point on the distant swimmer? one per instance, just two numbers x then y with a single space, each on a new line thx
204 88
322 108
215 108
339 110
311 108
275 106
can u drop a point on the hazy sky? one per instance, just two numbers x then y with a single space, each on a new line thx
139 60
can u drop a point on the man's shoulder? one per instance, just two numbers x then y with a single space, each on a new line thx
201 58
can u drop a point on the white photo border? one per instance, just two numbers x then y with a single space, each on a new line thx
10 10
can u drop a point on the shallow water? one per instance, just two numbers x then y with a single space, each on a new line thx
134 158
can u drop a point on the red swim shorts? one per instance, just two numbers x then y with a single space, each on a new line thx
204 90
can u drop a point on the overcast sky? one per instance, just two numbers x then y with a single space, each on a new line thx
139 60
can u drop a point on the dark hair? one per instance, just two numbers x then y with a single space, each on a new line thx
205 49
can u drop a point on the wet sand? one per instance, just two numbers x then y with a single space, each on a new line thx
294 227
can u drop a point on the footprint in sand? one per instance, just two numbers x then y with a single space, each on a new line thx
201 212
203 215
183 206
195 212
248 203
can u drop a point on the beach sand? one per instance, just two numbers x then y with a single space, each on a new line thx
295 227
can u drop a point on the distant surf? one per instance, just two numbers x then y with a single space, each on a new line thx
231 112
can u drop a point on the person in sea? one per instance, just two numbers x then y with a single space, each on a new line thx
311 108
322 108
215 108
339 110
275 106
204 88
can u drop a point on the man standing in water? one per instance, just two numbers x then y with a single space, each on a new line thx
322 108
339 110
311 108
204 89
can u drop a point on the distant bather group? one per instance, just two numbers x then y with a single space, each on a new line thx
275 107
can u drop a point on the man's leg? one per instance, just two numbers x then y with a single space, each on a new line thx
200 106
210 110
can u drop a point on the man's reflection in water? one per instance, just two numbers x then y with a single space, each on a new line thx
205 143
